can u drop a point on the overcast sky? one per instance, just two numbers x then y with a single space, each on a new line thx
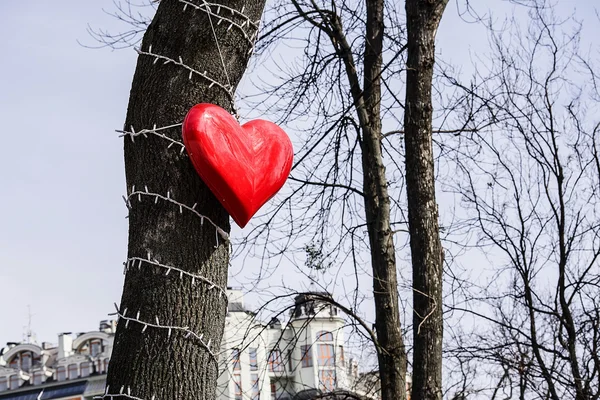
63 232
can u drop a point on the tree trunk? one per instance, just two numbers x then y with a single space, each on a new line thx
391 355
149 360
423 18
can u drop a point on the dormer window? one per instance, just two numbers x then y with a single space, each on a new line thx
92 347
25 361
14 382
95 347
61 374
73 373
86 368
37 378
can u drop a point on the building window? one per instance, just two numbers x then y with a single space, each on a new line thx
61 374
86 368
14 363
3 383
290 361
73 374
255 390
325 355
99 366
37 378
306 352
327 380
235 359
14 382
106 365
275 361
340 356
324 336
253 360
237 379
25 361
95 347
273 390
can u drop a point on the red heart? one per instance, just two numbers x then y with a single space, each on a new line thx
244 166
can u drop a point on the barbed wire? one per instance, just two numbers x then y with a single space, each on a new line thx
226 88
182 206
154 131
131 263
206 7
169 328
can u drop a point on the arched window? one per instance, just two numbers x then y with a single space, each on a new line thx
324 336
95 347
26 360
92 347
325 355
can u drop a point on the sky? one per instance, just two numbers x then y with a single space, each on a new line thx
63 232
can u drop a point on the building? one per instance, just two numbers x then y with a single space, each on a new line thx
298 361
75 369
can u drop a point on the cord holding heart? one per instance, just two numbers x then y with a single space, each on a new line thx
244 166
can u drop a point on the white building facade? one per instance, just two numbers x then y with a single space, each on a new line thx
301 360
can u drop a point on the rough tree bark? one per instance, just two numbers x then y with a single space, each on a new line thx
423 18
159 362
391 355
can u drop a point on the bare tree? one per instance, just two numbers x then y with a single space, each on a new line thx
173 306
423 18
530 185
342 87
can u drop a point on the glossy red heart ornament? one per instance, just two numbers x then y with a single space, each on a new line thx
244 166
